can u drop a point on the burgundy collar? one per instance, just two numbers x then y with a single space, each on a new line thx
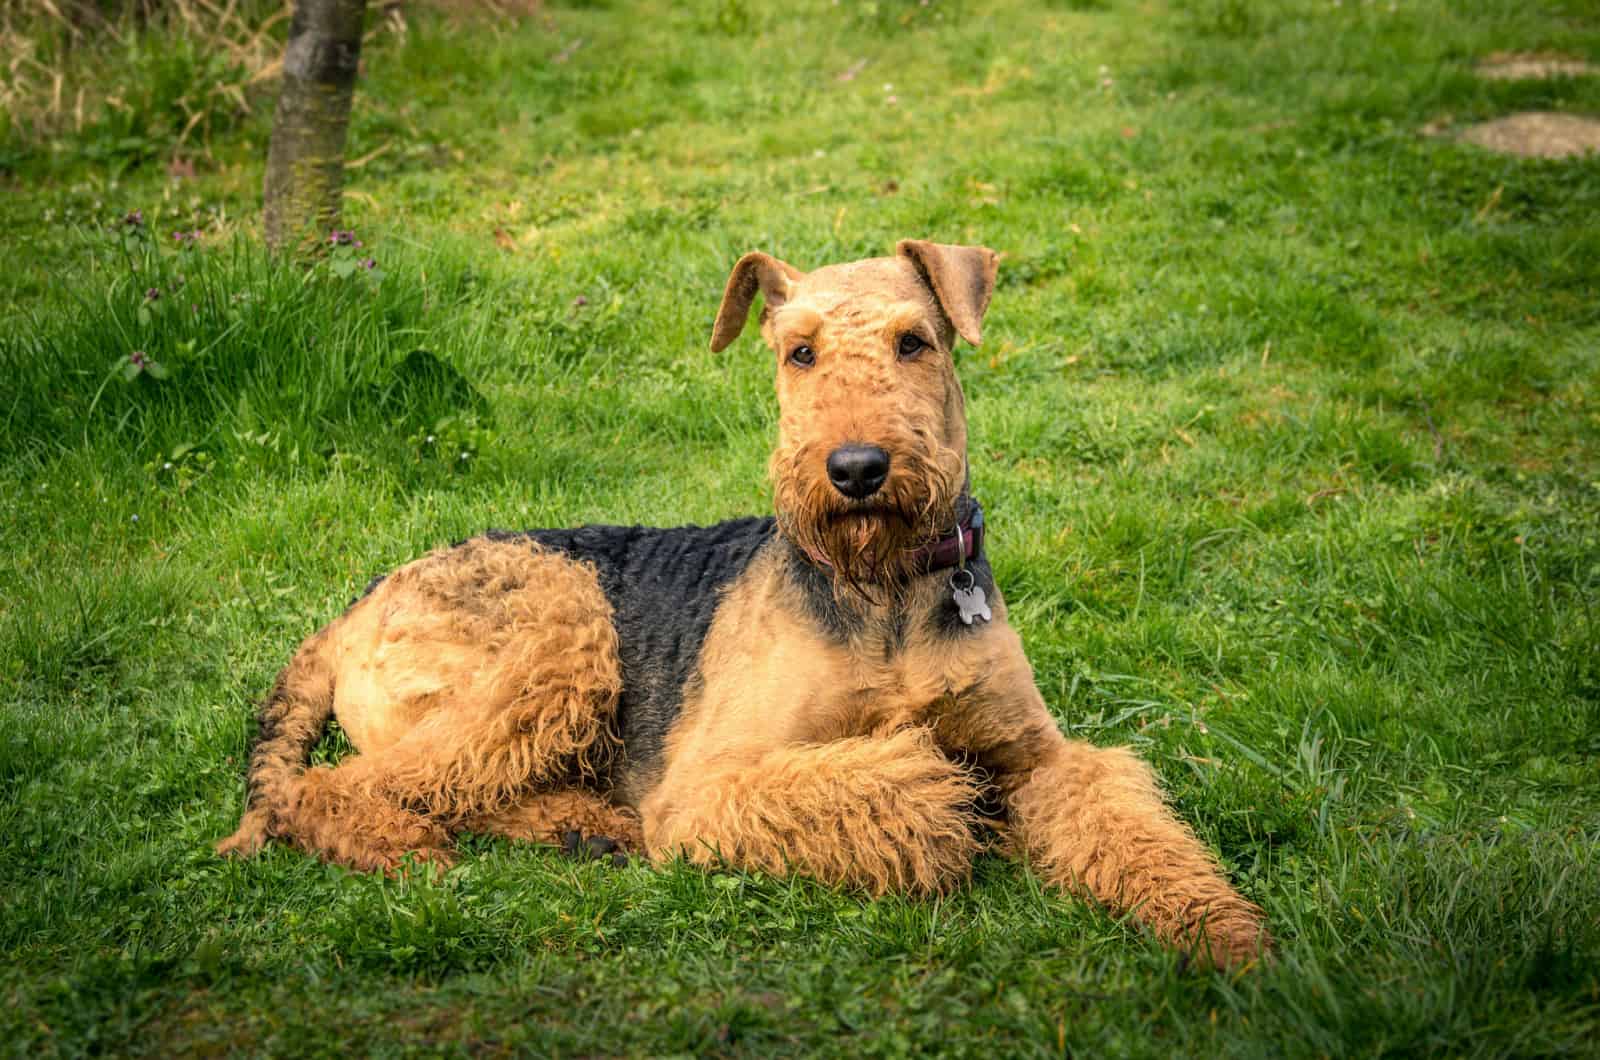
956 549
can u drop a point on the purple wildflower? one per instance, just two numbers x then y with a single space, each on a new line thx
138 358
152 294
343 237
134 219
369 263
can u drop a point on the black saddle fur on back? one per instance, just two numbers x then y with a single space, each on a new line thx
664 586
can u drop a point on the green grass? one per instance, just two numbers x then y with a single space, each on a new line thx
1286 421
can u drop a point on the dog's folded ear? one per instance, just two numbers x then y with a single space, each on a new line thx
755 271
961 278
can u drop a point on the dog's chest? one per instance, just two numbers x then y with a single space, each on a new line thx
885 701
829 691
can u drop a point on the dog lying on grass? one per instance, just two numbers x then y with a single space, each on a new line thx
831 691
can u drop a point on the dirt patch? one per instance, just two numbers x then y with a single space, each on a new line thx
1533 66
1534 134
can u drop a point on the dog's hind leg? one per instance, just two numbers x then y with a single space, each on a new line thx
466 680
318 809
552 816
487 671
337 816
451 772
886 813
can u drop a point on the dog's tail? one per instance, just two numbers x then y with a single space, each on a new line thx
292 720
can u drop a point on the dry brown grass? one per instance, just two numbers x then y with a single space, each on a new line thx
65 66
62 59
1539 66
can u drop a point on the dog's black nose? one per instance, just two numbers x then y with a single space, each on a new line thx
858 471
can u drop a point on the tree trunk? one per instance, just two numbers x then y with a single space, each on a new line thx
305 164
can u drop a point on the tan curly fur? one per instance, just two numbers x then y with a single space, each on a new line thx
480 684
549 816
1092 821
465 679
885 813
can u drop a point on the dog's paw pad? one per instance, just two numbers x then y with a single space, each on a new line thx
594 848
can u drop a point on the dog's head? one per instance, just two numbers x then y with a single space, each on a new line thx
872 433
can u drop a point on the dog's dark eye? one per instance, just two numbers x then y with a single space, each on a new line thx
804 356
910 346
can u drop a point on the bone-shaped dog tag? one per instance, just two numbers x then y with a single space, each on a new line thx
970 602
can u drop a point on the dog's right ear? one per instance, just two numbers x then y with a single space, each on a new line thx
755 271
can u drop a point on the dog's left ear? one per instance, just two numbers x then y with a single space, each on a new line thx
754 272
961 278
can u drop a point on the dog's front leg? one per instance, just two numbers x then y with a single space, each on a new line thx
882 812
1091 820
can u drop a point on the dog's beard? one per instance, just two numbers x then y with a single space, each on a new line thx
870 545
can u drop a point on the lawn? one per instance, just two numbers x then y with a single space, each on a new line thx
1285 422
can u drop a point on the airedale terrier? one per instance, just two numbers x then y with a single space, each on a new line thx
834 691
